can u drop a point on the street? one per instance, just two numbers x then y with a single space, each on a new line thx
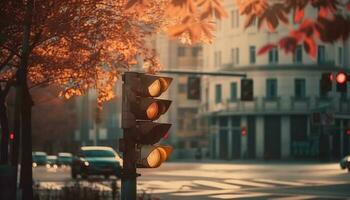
239 180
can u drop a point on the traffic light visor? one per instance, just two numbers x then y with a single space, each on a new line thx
150 132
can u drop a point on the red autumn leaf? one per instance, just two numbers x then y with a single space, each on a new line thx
299 15
310 46
323 12
266 48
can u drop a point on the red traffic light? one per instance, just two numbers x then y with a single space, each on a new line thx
347 131
341 77
12 135
244 131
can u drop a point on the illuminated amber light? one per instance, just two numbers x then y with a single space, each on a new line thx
152 111
155 88
154 158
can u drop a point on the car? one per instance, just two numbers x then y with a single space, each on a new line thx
64 159
39 158
345 163
51 161
96 160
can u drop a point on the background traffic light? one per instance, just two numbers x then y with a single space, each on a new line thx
326 83
247 93
194 88
341 79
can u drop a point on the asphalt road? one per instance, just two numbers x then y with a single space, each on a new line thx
209 181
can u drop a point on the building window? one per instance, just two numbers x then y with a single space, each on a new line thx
298 55
218 93
181 51
340 55
271 88
321 57
182 88
300 88
252 55
235 56
217 59
196 51
233 88
234 19
273 56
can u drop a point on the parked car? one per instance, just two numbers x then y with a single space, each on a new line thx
64 159
39 158
345 163
51 161
96 160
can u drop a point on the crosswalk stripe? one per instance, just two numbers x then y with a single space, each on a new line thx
238 196
203 193
303 197
215 184
247 183
280 182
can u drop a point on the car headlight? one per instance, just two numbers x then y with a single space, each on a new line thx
348 159
86 163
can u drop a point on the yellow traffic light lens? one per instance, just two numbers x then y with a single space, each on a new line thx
155 88
154 158
152 111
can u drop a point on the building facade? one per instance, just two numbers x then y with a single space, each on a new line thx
286 94
187 135
98 127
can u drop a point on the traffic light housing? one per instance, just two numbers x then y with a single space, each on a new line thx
194 88
247 93
341 79
244 131
140 108
326 83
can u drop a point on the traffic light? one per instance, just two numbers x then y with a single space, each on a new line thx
347 131
194 88
244 131
341 79
247 93
12 136
140 109
326 83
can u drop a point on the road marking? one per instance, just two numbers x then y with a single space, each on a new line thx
280 182
239 196
203 193
322 182
295 197
51 185
216 184
247 183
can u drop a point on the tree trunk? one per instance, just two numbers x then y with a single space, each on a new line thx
26 178
22 92
4 132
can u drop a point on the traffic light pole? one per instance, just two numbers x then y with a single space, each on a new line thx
128 176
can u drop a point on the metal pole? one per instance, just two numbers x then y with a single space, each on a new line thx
341 138
128 177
